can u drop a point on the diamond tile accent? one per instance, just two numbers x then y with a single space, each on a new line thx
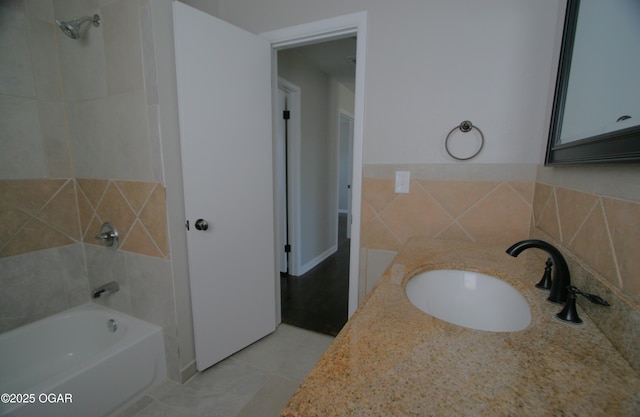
41 214
92 189
29 195
603 232
376 235
540 198
457 196
366 213
463 210
11 220
154 218
138 211
455 232
61 212
501 216
138 240
623 219
573 209
115 209
592 242
547 219
415 214
378 193
35 236
524 190
136 193
85 212
36 215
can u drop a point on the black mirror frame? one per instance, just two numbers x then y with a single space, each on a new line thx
617 146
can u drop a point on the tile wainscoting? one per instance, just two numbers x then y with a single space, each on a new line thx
48 213
603 232
49 260
478 203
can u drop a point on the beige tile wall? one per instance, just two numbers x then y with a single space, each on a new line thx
48 213
603 232
480 211
135 208
37 215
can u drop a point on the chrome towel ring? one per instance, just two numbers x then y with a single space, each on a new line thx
464 127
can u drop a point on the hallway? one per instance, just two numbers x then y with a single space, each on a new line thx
318 300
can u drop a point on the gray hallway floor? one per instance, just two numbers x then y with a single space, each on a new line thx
255 382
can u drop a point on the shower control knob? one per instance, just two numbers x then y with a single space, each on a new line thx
202 224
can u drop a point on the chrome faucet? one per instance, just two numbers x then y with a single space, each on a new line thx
106 289
561 278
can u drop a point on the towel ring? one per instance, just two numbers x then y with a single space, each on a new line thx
464 127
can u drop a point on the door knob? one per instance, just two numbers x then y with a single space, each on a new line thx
202 224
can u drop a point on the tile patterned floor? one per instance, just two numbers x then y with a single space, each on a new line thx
255 382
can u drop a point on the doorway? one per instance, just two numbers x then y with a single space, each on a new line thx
324 30
313 158
215 336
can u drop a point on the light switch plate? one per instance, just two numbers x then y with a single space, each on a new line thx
402 182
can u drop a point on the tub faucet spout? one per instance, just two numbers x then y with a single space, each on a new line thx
106 289
561 277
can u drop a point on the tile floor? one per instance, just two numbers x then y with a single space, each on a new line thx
255 382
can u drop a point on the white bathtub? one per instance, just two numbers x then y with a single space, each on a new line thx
73 364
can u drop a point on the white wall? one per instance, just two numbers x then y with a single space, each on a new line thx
344 174
344 103
432 64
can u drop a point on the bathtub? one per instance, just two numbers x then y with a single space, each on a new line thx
87 361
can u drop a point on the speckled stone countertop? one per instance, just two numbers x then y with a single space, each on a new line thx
391 359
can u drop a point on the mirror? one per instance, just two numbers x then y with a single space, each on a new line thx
596 109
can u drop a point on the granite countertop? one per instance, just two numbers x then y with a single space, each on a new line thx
391 359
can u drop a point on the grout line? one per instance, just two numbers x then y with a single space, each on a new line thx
584 221
454 220
471 207
37 217
557 214
379 217
77 202
153 241
611 245
529 204
124 197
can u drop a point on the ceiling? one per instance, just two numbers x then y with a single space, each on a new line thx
335 58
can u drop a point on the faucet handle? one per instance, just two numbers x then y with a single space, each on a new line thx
595 299
108 236
545 282
569 313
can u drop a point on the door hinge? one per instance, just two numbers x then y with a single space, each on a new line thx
287 248
286 115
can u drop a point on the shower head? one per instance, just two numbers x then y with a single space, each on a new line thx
71 28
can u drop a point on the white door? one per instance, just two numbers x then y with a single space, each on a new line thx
224 100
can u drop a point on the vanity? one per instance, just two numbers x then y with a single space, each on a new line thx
392 359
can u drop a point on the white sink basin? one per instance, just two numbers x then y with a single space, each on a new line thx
470 299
